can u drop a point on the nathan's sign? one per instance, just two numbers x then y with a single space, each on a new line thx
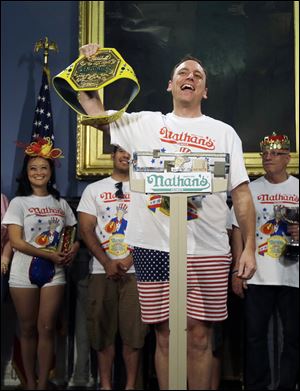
178 182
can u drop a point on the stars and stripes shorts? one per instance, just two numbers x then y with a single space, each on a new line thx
207 285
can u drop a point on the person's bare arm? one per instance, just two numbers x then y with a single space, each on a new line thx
17 242
91 103
246 216
72 252
125 263
90 100
6 257
238 284
87 224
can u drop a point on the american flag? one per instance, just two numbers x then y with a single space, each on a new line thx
43 121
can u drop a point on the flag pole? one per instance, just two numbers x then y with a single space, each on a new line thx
43 122
46 45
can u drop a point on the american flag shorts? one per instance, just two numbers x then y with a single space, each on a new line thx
207 285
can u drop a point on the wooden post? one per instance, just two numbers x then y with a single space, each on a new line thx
178 292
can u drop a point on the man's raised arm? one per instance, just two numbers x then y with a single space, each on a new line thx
90 100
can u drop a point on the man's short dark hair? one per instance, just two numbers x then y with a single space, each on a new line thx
117 148
187 58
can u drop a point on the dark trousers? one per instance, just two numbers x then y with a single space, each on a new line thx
260 303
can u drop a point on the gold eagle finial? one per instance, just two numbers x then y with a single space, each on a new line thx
46 45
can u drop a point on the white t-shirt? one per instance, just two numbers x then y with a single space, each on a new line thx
42 219
99 200
271 238
149 224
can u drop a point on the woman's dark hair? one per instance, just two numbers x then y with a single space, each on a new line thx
24 186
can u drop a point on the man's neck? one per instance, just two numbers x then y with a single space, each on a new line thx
120 176
277 178
187 111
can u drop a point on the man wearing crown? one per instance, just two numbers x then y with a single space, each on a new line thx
275 285
113 303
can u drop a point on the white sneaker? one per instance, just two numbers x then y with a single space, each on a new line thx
10 378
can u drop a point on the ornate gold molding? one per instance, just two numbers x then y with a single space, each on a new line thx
91 161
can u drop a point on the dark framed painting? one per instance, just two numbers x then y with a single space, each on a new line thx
250 50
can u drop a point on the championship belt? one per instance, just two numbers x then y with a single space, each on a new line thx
106 69
66 239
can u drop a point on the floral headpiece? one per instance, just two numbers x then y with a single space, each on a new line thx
43 147
275 141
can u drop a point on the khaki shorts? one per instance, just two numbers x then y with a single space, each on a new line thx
113 306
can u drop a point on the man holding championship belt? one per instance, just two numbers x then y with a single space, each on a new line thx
186 129
275 284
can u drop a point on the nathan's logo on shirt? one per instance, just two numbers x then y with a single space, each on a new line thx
46 211
189 140
275 198
108 196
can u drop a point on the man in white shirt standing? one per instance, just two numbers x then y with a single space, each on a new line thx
275 285
113 304
186 129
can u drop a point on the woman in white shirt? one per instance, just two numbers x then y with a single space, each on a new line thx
37 276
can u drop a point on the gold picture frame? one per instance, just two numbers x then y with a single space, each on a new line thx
92 161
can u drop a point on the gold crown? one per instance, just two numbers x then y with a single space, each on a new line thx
275 141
